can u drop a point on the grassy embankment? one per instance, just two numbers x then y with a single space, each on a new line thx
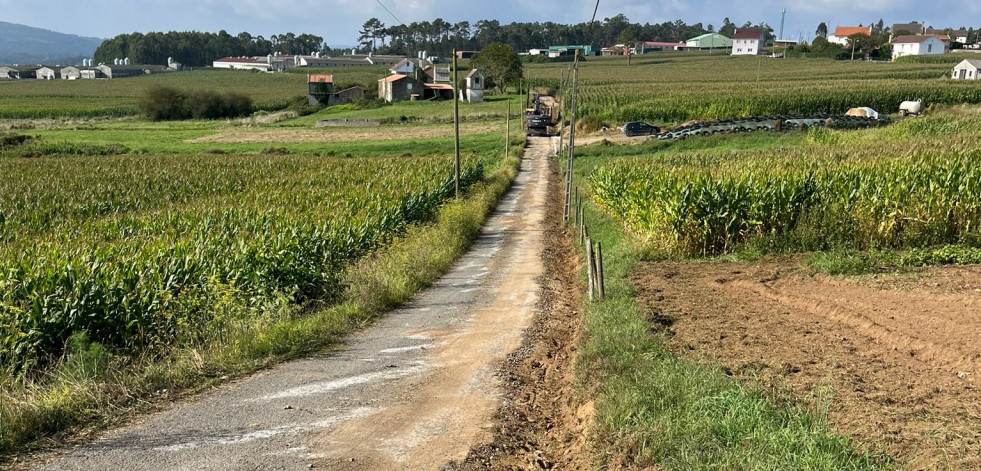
100 378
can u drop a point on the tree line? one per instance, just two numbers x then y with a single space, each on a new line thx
196 49
439 37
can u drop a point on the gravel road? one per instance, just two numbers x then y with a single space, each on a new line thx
414 391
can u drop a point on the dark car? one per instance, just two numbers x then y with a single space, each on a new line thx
640 128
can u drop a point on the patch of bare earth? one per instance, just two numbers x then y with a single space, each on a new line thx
542 424
895 359
251 135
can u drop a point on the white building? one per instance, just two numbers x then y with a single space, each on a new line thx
748 41
270 63
475 87
841 34
917 45
968 69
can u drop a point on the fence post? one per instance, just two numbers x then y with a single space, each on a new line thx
590 267
599 270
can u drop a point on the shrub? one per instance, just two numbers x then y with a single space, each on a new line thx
171 104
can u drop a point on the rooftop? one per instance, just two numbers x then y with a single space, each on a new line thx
748 33
912 39
846 31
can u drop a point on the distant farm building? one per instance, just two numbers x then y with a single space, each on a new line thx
400 88
465 54
436 74
656 46
19 72
917 45
48 73
475 87
405 67
709 41
842 33
349 95
748 41
559 51
320 89
967 69
242 63
123 71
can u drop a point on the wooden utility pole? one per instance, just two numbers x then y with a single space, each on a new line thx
572 137
507 131
456 127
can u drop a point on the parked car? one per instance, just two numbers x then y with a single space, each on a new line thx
640 128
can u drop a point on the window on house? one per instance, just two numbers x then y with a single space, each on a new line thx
929 47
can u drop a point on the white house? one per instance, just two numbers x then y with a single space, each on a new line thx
841 34
748 41
968 69
917 45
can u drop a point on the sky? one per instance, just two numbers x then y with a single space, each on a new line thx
338 21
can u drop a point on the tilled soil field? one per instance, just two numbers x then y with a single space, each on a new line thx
894 360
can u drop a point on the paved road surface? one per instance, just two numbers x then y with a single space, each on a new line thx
412 392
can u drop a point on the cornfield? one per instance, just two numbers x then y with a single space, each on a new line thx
861 192
671 88
133 249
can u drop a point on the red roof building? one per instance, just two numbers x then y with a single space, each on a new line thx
748 41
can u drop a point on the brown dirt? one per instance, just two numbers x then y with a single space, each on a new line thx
895 359
244 134
542 424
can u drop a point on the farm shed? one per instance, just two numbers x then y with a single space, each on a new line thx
400 87
916 45
320 89
348 95
71 73
123 71
967 69
92 73
48 73
709 41
19 72
748 41
657 46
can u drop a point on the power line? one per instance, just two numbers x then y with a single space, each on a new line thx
594 12
393 14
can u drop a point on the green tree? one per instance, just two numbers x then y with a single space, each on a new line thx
822 30
500 65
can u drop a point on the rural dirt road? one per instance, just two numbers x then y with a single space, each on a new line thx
416 390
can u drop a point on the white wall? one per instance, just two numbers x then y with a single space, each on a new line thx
929 47
742 47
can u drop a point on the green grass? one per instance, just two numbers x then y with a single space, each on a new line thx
655 409
118 97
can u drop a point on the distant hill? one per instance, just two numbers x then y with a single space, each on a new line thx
23 45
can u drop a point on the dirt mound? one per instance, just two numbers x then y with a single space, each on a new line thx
892 360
